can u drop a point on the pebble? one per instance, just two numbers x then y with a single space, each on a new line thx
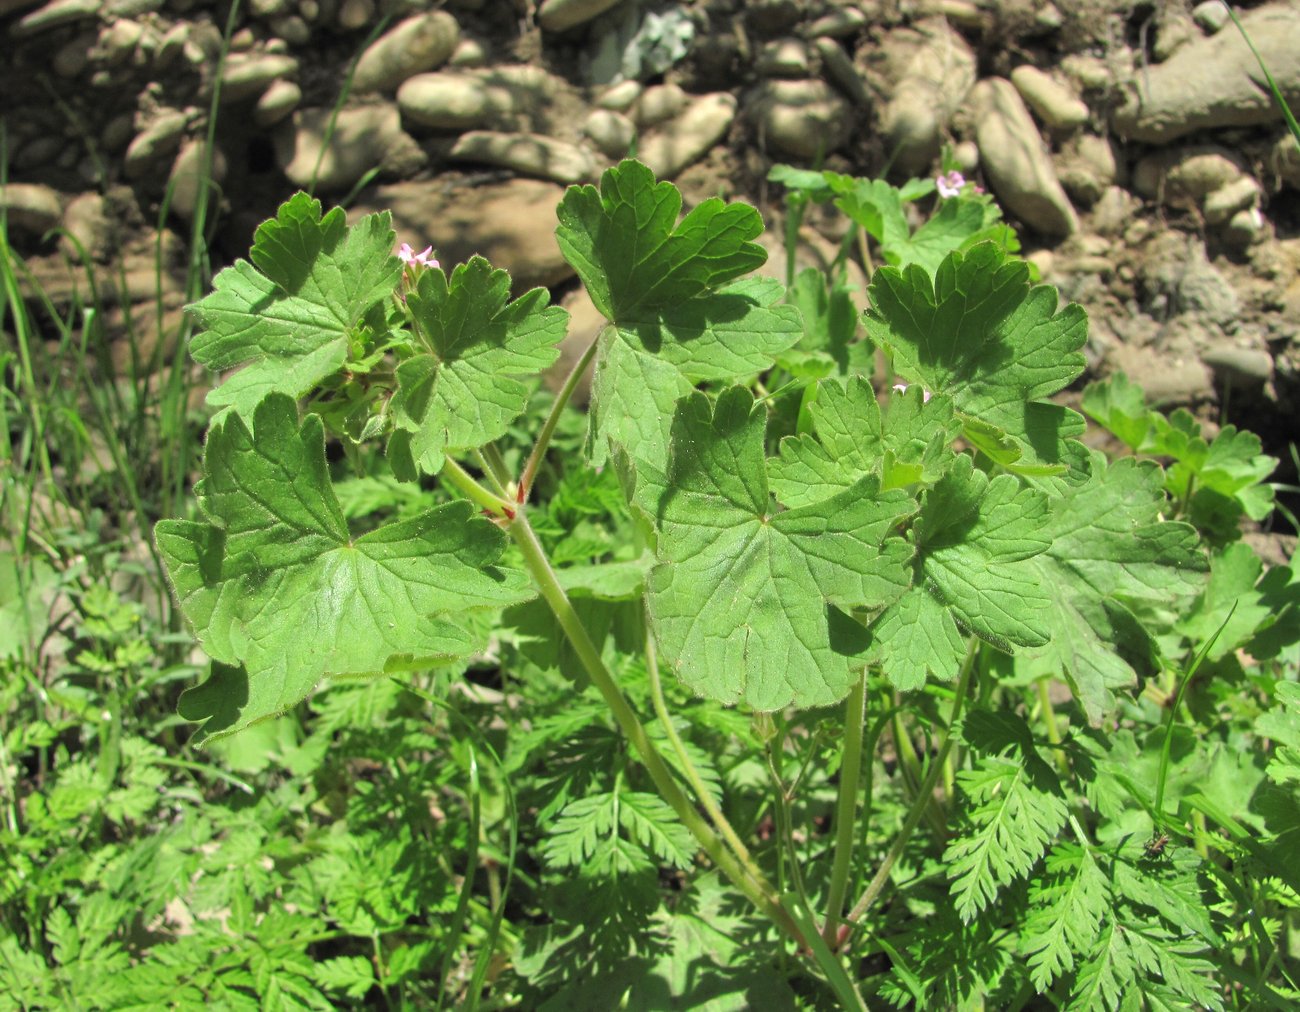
280 99
117 41
158 140
364 138
611 132
620 97
659 103
1054 103
33 207
528 154
247 76
53 15
935 81
292 29
1285 160
73 57
1226 201
1246 228
1243 367
1211 15
804 119
1184 178
117 133
561 15
418 44
836 23
267 9
839 68
1016 162
171 45
1087 167
784 58
187 174
354 14
469 53
88 228
689 137
451 101
1166 379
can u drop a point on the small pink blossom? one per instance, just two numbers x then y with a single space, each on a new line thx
901 388
950 183
411 258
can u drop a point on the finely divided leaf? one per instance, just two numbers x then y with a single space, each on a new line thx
465 385
748 602
664 287
1067 903
979 334
289 313
282 596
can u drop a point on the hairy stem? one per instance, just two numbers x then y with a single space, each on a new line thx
553 419
846 806
494 467
922 800
465 482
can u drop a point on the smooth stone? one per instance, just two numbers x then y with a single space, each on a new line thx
171 46
1087 167
512 224
364 138
1226 201
839 68
1216 81
658 104
1174 30
117 41
1285 160
88 228
418 44
528 154
1054 103
469 53
354 14
1184 178
935 80
1016 161
803 119
1166 380
277 102
292 29
611 132
459 100
1114 211
690 136
1089 73
187 174
117 133
620 97
158 140
836 23
1211 16
249 76
561 15
784 58
53 15
1246 228
1243 366
34 207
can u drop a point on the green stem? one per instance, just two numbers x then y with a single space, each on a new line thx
496 464
459 477
846 806
923 797
496 477
785 823
689 768
553 419
910 763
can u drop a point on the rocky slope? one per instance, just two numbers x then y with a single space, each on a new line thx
1134 144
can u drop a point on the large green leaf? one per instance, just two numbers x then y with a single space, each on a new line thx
282 596
289 313
465 386
664 287
748 603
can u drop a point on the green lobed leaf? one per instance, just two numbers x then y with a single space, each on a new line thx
282 596
979 334
464 386
748 602
1261 610
287 315
663 286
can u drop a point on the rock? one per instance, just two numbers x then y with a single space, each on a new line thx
660 103
1168 380
767 18
620 97
280 99
157 141
1245 228
32 207
784 58
71 59
117 42
1211 15
611 132
803 119
88 228
690 136
836 23
55 14
469 53
187 176
529 154
364 138
1054 103
1016 162
511 223
839 68
1285 160
1087 168
934 82
501 97
292 29
354 14
248 76
1174 29
1226 201
1216 81
1242 367
1089 73
561 15
1184 178
420 43
1176 278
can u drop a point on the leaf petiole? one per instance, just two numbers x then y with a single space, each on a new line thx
553 419
475 492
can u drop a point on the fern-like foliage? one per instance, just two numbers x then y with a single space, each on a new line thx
1066 906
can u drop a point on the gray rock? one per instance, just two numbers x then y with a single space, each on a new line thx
1245 228
1216 81
469 53
1087 168
364 138
620 97
1211 16
292 29
32 207
528 154
157 141
247 76
1226 201
117 42
836 23
418 44
611 132
1177 278
803 119
1174 30
658 104
1285 160
1168 380
1185 177
53 15
280 99
690 136
1055 104
561 15
1242 367
1016 161
511 223
187 176
841 72
88 228
355 14
938 71
784 58
502 97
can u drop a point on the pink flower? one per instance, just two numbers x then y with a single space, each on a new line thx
950 184
901 388
411 258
